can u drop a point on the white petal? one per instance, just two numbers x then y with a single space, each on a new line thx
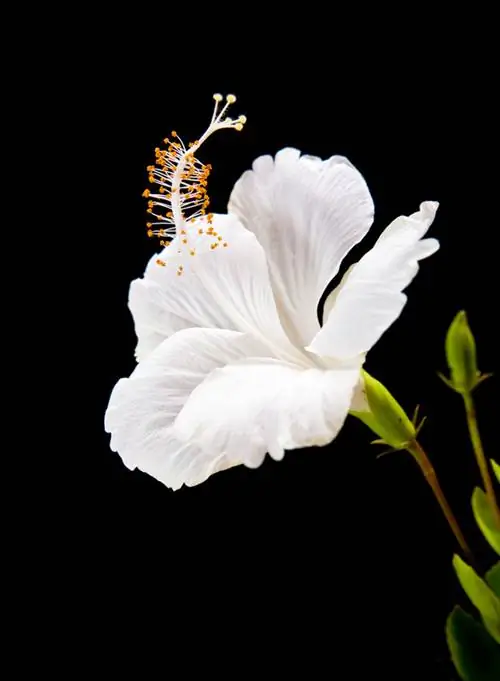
369 298
142 408
153 320
225 288
307 214
359 400
259 406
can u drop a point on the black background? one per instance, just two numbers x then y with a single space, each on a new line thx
332 563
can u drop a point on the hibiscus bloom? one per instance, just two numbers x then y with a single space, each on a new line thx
233 362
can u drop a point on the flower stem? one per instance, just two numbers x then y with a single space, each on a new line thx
480 457
430 475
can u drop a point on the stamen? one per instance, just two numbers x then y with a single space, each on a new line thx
182 195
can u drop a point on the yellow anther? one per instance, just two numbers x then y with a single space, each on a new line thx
230 99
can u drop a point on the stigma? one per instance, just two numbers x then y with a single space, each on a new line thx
181 198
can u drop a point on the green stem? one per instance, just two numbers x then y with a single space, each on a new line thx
480 457
430 475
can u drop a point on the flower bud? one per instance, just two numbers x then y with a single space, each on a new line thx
386 417
460 349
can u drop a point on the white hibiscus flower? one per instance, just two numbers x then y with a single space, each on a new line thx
232 360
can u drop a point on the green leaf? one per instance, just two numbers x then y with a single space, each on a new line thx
446 380
482 378
496 469
485 518
493 578
475 654
485 600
